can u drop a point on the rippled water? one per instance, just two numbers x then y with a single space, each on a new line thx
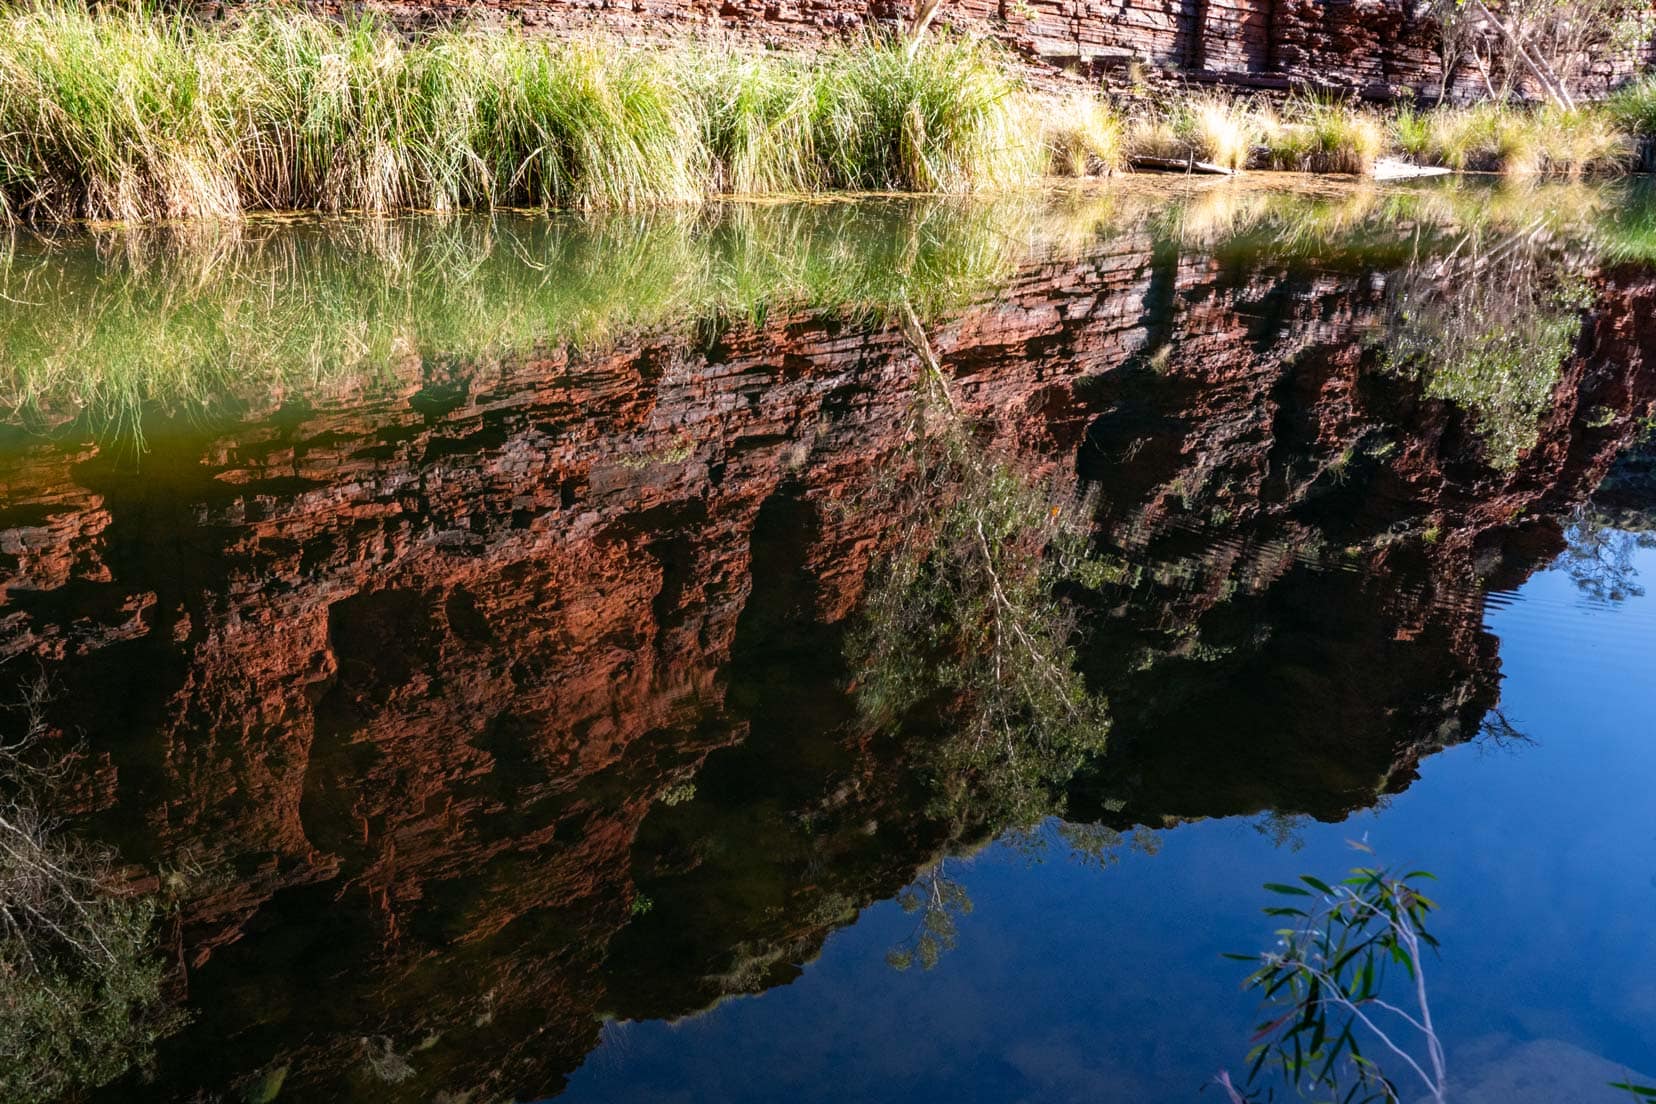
857 651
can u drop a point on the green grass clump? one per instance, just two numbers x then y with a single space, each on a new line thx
947 119
112 113
1326 136
1584 140
79 112
1345 139
1633 107
1221 130
1288 144
1207 128
1467 138
758 118
1412 133
1516 141
1086 135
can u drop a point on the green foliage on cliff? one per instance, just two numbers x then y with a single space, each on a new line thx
81 1008
82 978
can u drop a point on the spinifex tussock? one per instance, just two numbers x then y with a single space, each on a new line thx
1520 141
120 114
1086 134
1203 127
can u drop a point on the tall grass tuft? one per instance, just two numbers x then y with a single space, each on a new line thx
109 115
1221 129
1518 141
1346 140
1633 111
1633 107
1412 133
1086 135
1582 140
113 113
1322 135
758 118
1207 128
946 119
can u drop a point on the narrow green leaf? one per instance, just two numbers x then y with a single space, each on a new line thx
1253 1071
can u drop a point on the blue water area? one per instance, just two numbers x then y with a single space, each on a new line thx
1072 981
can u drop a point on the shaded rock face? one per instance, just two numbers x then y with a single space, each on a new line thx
474 709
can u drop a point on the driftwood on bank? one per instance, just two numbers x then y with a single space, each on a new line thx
1389 168
1178 164
1386 168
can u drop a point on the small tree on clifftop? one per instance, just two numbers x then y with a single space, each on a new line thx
1549 43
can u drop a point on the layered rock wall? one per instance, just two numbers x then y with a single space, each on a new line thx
1379 49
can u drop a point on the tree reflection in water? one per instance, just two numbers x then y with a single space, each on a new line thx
967 638
1487 327
965 630
1599 557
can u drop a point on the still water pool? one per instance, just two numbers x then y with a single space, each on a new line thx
1072 982
869 650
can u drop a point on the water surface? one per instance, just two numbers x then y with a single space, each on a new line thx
861 650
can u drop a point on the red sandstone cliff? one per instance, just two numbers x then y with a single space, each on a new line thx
1379 49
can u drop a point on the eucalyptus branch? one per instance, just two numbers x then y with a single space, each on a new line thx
1332 964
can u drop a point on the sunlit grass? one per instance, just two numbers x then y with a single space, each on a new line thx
1086 135
123 113
1633 108
1221 130
1516 141
118 114
1208 128
1328 135
1321 135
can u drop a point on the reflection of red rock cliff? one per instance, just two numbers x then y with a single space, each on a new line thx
427 659
1310 550
363 610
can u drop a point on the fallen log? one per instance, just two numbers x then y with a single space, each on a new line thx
1389 168
1178 164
